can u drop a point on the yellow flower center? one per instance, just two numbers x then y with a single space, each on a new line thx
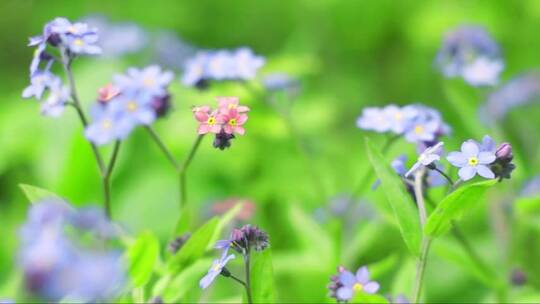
357 287
419 129
231 106
215 267
132 106
78 42
211 120
473 161
148 81
232 122
398 116
71 29
106 124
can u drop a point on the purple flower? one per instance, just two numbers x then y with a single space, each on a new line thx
426 158
108 125
488 144
355 283
38 83
215 270
150 80
471 53
471 161
39 55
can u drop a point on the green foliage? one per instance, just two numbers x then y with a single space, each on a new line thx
454 206
262 277
404 211
35 194
362 297
195 246
142 257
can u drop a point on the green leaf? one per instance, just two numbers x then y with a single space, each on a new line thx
184 282
142 256
262 277
362 297
311 235
35 194
527 205
454 205
195 246
402 205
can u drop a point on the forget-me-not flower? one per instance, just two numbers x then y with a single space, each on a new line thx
352 283
426 158
471 161
215 269
108 125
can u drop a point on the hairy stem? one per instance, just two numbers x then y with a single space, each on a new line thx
426 242
183 169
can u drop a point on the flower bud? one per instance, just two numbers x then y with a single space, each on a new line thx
518 277
504 152
161 104
178 242
223 140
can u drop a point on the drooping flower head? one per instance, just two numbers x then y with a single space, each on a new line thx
470 52
471 161
218 266
244 239
58 94
427 158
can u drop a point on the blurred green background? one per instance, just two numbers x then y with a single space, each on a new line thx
347 54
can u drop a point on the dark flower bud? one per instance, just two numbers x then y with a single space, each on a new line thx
335 283
518 277
161 104
178 242
504 152
249 237
202 84
45 56
223 140
54 39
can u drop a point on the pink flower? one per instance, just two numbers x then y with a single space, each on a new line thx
229 103
233 121
108 92
209 121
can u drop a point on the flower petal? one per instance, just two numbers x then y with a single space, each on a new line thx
371 287
466 173
486 158
470 148
484 171
362 275
347 278
344 293
457 159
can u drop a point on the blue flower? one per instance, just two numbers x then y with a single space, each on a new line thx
57 265
108 125
471 53
39 82
151 80
351 283
82 44
426 158
54 105
426 126
135 106
195 69
247 63
374 119
215 270
471 161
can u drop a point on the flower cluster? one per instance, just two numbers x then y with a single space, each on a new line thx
226 121
483 159
470 52
56 262
242 241
240 64
417 123
135 98
345 284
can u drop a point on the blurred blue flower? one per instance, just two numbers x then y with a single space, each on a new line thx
426 158
374 119
82 44
239 64
54 105
38 83
471 53
531 187
171 51
56 265
150 80
108 125
215 270
117 39
471 161
281 82
352 283
135 106
518 91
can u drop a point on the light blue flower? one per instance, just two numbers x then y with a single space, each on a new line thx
215 270
195 69
108 125
471 161
39 82
246 63
150 81
135 106
352 283
55 103
426 158
82 45
374 119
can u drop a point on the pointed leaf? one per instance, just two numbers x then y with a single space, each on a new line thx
262 277
402 205
35 194
454 205
142 256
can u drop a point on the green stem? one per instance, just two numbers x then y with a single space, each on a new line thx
183 169
426 241
248 279
450 181
237 280
163 148
106 179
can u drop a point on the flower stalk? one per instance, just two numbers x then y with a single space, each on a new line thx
426 241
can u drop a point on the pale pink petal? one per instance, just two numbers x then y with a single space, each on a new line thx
242 109
241 119
215 129
240 130
203 129
228 129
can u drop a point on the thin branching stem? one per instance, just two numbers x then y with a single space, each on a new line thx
426 241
